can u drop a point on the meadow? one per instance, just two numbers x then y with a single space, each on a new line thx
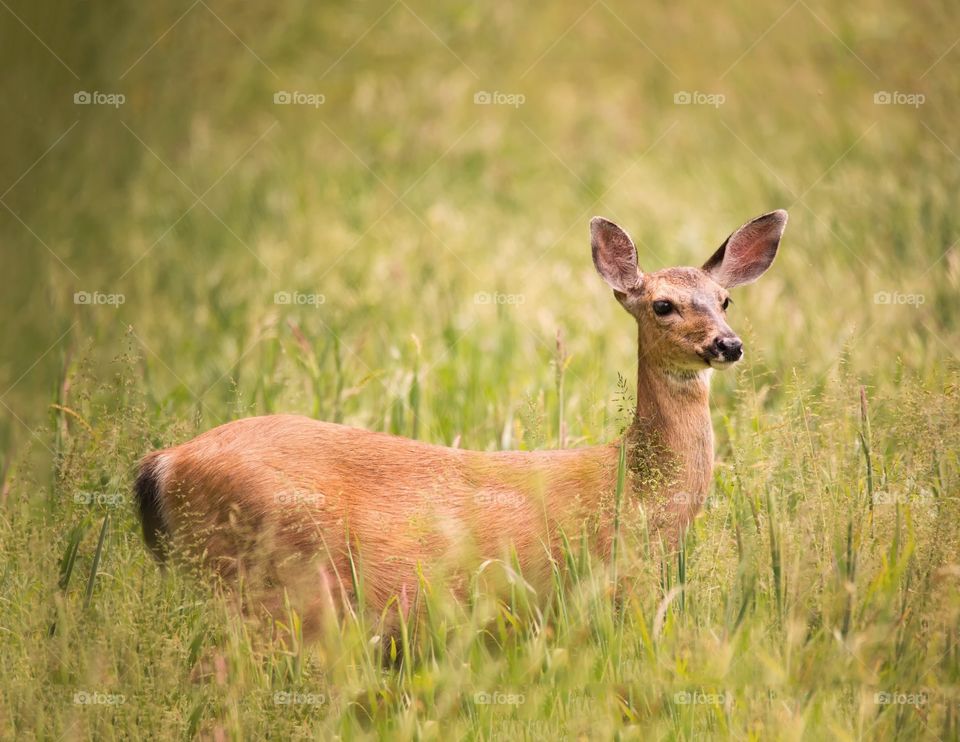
377 214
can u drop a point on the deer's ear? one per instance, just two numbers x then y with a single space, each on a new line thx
747 253
614 255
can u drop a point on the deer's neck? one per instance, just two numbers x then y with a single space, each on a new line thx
671 438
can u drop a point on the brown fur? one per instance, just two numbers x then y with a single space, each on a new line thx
286 502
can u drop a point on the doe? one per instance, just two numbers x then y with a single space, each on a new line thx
315 508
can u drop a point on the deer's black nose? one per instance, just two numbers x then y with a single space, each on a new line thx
729 348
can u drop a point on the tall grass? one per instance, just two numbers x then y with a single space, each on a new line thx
816 596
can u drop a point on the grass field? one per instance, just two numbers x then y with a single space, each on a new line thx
377 214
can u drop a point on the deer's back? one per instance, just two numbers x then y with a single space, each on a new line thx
297 489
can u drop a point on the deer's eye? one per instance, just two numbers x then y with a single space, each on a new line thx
662 308
726 303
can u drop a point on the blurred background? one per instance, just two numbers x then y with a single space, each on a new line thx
377 212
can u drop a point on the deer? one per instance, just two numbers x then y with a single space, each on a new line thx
316 508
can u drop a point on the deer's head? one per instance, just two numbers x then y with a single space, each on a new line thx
682 312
